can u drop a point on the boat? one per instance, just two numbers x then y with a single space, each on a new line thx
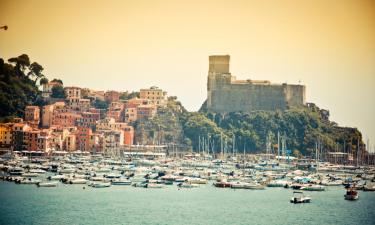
313 188
113 176
29 181
351 194
369 187
297 186
187 185
56 177
254 186
222 184
154 185
278 183
168 182
332 183
77 181
101 185
299 197
30 175
40 171
237 185
121 181
16 171
47 184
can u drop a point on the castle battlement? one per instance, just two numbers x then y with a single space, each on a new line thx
227 94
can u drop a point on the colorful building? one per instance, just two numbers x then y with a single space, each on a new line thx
5 135
112 96
32 116
156 95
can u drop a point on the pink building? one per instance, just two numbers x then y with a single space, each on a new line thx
83 138
32 116
146 111
112 96
64 120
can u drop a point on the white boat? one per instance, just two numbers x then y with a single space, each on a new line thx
30 175
57 177
121 181
47 184
16 171
299 197
29 181
154 185
187 185
278 183
77 181
101 185
198 181
112 176
254 186
237 185
369 187
332 183
313 188
40 171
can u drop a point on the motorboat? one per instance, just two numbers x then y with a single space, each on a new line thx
299 197
351 194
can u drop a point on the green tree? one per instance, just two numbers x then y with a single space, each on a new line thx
58 92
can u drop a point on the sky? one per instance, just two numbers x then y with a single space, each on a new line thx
327 45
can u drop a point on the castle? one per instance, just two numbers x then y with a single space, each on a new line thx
226 94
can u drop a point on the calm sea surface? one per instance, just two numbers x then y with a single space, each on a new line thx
71 204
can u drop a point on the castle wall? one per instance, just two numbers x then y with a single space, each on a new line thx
226 94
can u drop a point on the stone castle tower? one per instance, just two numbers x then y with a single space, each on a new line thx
226 94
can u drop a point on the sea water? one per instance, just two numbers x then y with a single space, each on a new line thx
80 204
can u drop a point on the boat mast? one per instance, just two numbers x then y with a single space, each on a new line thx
278 146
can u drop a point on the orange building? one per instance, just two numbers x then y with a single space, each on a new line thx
128 135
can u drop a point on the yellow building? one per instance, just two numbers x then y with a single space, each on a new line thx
156 95
5 134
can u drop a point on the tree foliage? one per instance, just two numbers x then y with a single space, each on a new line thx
18 85
58 92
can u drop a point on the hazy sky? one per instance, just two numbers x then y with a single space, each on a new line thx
126 45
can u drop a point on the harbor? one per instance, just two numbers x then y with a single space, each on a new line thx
233 190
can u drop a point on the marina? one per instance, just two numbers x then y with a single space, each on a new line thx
206 191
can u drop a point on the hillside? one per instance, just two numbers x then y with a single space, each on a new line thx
18 85
302 128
